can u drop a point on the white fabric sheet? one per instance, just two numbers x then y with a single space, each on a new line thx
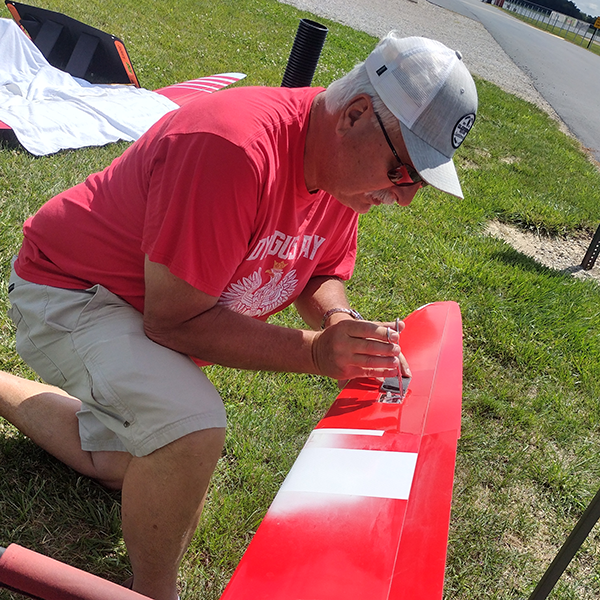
49 110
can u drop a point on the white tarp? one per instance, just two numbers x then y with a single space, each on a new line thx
49 110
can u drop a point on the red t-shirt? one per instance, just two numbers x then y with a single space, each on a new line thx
216 192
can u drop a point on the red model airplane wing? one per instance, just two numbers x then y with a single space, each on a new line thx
183 92
365 509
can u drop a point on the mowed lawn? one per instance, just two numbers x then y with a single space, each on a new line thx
527 463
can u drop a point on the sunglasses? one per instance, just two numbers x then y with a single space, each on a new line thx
404 175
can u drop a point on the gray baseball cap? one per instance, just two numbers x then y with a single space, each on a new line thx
429 89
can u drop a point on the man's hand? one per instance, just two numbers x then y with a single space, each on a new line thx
350 349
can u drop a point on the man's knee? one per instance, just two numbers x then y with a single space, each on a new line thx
194 454
204 446
198 449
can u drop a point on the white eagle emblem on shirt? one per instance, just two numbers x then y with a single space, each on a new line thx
250 296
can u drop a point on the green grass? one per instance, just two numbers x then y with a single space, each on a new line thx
527 461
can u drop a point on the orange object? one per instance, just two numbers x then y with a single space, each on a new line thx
39 576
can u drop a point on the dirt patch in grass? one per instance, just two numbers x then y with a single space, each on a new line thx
562 254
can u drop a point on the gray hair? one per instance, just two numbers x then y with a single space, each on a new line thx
341 91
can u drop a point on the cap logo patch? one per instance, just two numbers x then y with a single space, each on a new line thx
461 129
381 70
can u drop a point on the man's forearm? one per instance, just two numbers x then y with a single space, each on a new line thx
227 338
187 320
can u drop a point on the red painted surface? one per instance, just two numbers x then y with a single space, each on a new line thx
182 93
332 545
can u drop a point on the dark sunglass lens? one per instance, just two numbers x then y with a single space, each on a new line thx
404 176
397 176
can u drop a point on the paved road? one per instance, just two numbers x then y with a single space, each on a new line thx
566 75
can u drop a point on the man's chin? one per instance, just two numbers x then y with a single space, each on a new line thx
368 204
361 203
381 197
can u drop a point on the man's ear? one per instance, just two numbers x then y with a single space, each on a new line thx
360 107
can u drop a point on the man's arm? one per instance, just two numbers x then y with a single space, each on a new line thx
180 317
324 293
320 295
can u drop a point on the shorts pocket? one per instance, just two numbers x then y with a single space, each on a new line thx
108 401
65 307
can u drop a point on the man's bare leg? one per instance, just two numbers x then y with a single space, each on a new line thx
163 496
47 415
163 493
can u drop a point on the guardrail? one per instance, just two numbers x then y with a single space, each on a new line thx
560 24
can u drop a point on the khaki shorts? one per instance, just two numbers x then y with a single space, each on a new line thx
136 395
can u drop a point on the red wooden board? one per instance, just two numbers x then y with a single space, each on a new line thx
365 509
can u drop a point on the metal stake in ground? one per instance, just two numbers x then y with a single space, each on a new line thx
568 550
592 252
